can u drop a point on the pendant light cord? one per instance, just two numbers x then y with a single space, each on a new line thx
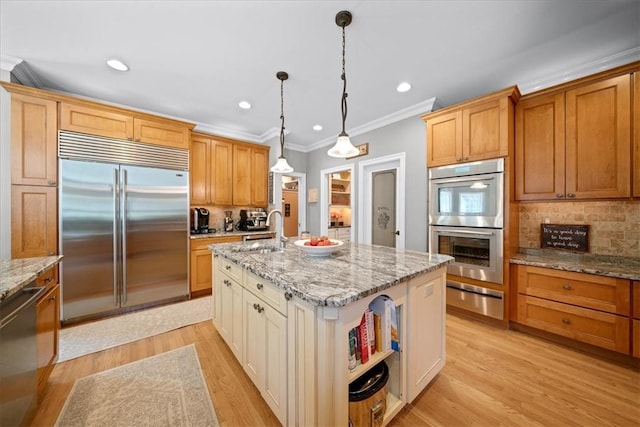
282 118
344 87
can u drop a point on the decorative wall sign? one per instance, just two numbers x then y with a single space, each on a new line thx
363 150
313 195
566 237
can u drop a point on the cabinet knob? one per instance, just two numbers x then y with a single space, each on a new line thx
571 195
255 306
260 309
51 182
226 282
559 195
459 159
137 139
259 286
130 138
227 267
288 295
48 279
465 158
50 253
566 321
566 287
52 298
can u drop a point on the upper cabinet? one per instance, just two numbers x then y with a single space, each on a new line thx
122 124
34 123
225 172
478 129
636 134
575 143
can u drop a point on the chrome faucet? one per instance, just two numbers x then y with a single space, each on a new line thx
281 238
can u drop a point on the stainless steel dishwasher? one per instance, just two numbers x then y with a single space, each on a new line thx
18 357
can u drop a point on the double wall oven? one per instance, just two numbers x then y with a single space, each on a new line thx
466 219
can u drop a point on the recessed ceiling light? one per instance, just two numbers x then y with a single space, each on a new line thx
116 64
244 105
317 127
404 87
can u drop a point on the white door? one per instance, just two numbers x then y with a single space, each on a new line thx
383 197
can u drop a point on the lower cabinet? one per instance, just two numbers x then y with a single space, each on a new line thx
47 325
200 272
635 326
589 308
228 300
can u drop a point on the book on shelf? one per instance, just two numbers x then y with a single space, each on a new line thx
385 308
353 343
364 339
371 331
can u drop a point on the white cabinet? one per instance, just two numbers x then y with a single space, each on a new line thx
228 300
426 355
265 345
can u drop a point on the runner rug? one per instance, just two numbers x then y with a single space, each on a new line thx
100 335
167 389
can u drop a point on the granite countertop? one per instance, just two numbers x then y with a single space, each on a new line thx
352 272
15 274
229 233
602 265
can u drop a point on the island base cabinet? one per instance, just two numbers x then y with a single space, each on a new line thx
265 361
230 318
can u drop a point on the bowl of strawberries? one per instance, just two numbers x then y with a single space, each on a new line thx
318 246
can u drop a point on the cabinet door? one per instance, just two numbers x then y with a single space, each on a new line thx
34 224
598 139
636 134
34 124
95 121
254 339
231 314
200 270
426 346
259 177
444 139
47 326
635 337
485 130
161 132
223 185
539 148
241 175
199 170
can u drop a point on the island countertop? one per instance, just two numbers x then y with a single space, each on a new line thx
352 272
17 273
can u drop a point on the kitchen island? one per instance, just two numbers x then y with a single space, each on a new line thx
286 316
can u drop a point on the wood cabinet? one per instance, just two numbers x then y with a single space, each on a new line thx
228 173
635 327
123 124
200 272
211 171
47 325
34 221
584 307
250 175
478 129
34 125
576 143
636 134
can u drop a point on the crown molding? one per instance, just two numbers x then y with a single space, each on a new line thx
593 67
411 111
20 70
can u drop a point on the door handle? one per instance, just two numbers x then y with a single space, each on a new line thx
397 232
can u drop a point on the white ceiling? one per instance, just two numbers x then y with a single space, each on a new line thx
195 60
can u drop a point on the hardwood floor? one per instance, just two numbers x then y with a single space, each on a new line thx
492 377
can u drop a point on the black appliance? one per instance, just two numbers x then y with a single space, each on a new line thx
200 220
242 223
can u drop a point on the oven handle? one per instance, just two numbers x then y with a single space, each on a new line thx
451 232
438 181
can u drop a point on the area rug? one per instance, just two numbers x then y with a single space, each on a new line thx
167 389
89 338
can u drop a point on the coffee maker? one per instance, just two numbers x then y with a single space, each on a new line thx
200 220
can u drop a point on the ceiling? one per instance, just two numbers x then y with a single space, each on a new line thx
195 60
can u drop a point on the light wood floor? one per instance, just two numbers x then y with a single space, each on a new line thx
492 377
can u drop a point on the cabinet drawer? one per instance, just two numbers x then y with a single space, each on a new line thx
48 278
230 269
586 290
604 330
266 291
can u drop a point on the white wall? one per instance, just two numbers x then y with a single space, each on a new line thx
408 136
5 168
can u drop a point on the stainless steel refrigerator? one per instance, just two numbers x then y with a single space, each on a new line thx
123 232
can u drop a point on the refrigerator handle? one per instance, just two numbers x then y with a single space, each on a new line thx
116 211
123 218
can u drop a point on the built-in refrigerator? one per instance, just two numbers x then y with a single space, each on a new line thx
123 227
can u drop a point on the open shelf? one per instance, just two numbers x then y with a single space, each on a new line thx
374 359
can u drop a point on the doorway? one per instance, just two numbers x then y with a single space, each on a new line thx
382 170
293 188
383 197
337 202
289 206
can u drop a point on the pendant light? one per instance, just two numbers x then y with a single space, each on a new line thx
281 165
343 147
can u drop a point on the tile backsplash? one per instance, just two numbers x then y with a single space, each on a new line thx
614 226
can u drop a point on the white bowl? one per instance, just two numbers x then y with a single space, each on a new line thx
319 250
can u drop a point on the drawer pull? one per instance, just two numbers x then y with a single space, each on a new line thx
566 321
559 195
48 279
288 295
226 282
52 298
255 306
259 286
567 287
227 267
571 195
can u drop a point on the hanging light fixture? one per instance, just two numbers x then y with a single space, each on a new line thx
281 165
343 147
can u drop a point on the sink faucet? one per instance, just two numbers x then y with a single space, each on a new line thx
281 238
